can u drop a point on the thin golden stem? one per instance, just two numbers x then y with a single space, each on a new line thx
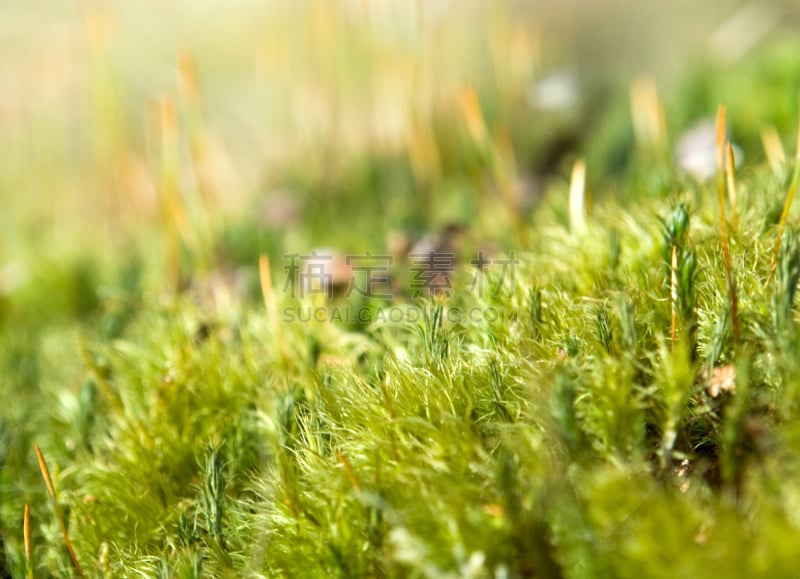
48 482
26 535
723 222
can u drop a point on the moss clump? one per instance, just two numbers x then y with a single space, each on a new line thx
595 404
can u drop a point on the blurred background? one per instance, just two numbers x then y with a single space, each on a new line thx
159 149
292 124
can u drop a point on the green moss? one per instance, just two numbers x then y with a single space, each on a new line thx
576 424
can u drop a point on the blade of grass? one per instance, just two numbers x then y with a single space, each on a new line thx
48 482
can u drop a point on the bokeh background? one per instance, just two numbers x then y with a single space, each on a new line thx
100 99
150 154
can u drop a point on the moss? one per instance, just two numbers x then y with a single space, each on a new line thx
600 409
